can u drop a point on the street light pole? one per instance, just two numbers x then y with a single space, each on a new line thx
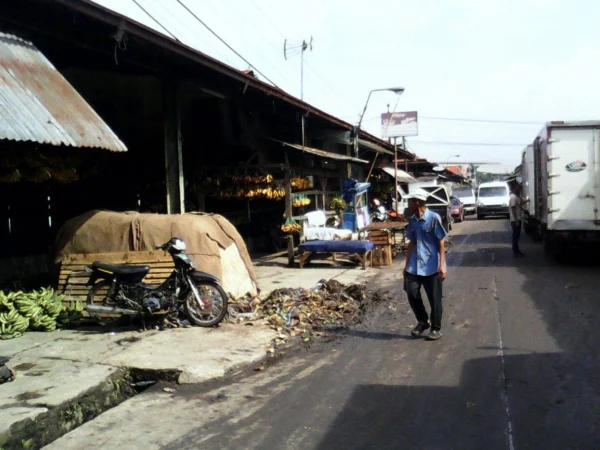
395 90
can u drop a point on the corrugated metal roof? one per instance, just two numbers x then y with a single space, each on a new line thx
38 104
324 154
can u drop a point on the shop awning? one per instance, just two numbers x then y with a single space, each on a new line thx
324 154
375 147
402 177
38 104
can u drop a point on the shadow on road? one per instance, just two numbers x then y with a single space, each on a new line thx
403 417
379 336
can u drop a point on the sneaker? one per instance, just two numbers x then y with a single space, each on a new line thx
434 335
418 330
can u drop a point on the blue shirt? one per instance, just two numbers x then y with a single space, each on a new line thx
426 232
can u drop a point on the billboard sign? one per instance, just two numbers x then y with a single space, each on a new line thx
399 124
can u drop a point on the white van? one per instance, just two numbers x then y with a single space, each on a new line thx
492 199
466 195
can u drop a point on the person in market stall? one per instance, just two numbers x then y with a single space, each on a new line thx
425 264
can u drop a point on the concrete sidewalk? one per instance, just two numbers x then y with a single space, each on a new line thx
66 378
274 273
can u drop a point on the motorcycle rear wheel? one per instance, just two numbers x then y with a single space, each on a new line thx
217 308
98 293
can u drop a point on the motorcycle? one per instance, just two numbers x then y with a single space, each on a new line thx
117 290
379 213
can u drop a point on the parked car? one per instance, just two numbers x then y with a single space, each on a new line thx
457 209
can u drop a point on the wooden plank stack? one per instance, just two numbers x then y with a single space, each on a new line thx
382 254
72 280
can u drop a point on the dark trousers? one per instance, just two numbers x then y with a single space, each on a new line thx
516 235
433 289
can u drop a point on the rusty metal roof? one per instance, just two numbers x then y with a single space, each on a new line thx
324 154
38 104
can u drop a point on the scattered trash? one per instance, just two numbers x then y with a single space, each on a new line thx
169 390
6 373
328 304
571 286
305 313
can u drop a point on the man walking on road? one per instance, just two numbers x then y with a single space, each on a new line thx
515 205
425 264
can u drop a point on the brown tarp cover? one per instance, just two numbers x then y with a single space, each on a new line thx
112 232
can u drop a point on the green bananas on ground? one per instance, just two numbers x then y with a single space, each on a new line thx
41 310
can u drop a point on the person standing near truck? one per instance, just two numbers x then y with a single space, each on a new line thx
425 264
515 206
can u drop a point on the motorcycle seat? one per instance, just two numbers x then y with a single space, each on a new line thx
121 269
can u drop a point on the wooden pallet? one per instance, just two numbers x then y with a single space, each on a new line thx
72 279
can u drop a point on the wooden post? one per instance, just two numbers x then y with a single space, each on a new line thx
323 182
373 166
405 159
288 207
174 177
396 171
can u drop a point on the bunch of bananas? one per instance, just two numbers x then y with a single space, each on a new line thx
337 204
268 193
40 307
276 193
290 227
69 316
300 183
301 201
12 324
252 179
237 179
9 175
38 310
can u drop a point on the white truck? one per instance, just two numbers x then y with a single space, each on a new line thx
438 200
561 177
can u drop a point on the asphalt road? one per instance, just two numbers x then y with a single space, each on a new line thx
517 368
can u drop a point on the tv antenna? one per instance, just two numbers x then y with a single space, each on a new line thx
292 49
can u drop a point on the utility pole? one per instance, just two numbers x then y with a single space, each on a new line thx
290 50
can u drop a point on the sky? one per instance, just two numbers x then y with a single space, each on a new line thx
507 66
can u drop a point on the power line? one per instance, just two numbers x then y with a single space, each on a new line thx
268 19
152 17
185 27
482 144
456 119
224 42
337 95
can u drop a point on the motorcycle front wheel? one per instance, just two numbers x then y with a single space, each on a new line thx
214 304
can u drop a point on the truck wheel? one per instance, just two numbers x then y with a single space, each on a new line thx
555 250
479 217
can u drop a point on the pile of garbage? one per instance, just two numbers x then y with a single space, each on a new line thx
327 306
40 310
